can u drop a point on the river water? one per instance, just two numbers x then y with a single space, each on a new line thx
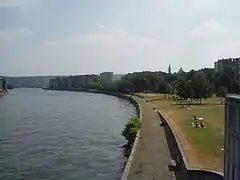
61 135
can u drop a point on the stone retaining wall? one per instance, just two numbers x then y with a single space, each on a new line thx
184 171
130 158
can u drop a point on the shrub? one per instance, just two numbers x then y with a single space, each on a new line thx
3 91
131 129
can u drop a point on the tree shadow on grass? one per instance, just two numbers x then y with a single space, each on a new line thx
191 104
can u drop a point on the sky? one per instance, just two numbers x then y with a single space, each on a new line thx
59 37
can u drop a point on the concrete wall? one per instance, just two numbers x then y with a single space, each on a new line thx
184 171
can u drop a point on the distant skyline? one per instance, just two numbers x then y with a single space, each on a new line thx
52 37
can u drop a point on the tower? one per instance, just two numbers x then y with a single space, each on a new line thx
169 69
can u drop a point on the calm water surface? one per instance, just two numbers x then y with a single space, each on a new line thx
61 135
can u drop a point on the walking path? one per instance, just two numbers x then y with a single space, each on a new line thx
152 157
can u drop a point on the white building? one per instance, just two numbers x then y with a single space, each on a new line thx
232 138
106 77
1 83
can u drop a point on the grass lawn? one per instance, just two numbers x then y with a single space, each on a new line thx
201 145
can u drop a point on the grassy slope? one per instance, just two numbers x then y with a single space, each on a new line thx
202 146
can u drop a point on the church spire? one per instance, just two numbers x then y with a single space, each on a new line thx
169 69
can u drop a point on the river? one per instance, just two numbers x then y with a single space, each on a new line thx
61 135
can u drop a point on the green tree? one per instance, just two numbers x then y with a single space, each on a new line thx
124 86
4 84
201 87
188 90
221 92
167 89
164 87
95 85
181 92
227 78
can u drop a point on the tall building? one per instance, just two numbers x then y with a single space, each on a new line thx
224 63
169 69
106 77
232 138
91 78
233 63
78 81
1 83
236 67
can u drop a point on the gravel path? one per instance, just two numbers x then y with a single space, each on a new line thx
152 157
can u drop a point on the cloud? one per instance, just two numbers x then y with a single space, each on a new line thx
13 3
23 32
49 43
8 36
106 49
108 35
209 29
208 42
5 38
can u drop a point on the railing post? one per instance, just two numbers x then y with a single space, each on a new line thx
232 138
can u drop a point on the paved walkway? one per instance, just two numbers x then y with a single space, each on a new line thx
152 157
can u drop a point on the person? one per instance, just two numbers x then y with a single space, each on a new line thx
192 124
202 124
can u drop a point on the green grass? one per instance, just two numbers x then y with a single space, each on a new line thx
207 142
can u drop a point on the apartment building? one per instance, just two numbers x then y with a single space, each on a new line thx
106 77
78 81
224 63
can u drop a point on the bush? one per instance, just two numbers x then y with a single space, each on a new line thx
3 91
131 129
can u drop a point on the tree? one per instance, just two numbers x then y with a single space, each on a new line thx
4 84
201 87
167 90
164 87
94 85
124 86
221 92
181 84
227 78
188 90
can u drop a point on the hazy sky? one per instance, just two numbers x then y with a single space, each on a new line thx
47 37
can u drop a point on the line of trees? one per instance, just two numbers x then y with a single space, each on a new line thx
191 85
